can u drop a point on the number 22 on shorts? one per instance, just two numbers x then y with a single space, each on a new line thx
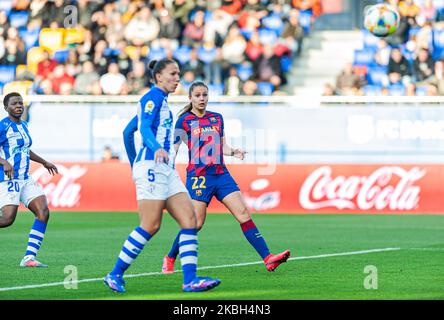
196 182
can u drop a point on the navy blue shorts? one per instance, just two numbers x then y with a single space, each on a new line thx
203 188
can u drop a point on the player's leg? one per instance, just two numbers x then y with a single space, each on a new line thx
7 215
182 210
231 197
150 214
39 207
151 190
168 261
34 198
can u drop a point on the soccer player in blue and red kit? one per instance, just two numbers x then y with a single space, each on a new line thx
207 176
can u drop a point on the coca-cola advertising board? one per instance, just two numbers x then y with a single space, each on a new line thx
403 189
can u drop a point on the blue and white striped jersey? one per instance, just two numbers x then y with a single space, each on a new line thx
15 144
155 122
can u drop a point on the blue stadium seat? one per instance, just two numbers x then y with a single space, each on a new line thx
305 21
413 31
370 41
265 88
182 54
61 56
375 75
421 91
19 19
396 90
286 62
206 55
246 33
30 37
372 90
216 89
7 74
6 6
156 53
244 71
438 44
409 55
273 22
363 57
267 36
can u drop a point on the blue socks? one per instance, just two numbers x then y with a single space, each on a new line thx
36 236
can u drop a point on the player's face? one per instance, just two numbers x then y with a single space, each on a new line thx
169 77
199 98
15 107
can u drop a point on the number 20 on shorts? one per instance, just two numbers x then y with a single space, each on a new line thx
13 186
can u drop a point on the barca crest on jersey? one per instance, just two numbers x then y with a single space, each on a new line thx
213 119
149 106
198 193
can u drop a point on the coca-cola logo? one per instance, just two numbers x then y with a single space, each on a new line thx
389 187
65 193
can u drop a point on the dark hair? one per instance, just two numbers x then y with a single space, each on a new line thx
10 95
189 106
155 67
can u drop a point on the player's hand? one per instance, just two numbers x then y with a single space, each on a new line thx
8 169
52 169
161 156
239 153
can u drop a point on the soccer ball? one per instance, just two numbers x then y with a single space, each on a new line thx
381 20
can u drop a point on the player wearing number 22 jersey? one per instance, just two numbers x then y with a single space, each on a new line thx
207 176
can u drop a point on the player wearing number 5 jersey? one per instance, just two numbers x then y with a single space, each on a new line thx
207 176
16 184
158 186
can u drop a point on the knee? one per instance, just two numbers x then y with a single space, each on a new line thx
43 214
152 229
6 221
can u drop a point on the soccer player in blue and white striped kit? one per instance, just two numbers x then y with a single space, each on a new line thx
16 185
158 185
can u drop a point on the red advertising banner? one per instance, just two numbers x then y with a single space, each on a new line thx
342 188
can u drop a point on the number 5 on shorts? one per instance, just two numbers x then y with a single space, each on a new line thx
151 175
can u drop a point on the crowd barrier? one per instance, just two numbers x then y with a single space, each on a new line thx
279 188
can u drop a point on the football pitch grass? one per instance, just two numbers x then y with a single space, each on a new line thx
331 255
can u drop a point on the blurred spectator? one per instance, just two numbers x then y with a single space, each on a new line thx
437 79
422 66
231 6
348 81
216 28
194 30
195 66
233 83
4 24
254 47
99 59
59 78
181 9
169 28
84 81
329 90
234 46
55 12
410 10
410 89
249 88
113 82
73 67
13 56
267 66
109 155
86 49
138 80
312 6
143 28
424 37
85 11
46 66
428 11
293 33
398 68
382 54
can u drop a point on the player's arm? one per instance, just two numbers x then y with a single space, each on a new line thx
147 115
128 140
180 135
8 169
52 169
229 151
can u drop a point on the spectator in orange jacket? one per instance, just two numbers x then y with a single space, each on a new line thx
314 5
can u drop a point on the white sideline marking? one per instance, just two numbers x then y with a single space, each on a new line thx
427 249
53 284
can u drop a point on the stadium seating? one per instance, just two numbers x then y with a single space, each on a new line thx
6 6
52 39
183 54
396 90
376 75
7 74
363 57
265 88
30 37
273 22
22 87
61 55
74 35
34 56
244 71
216 89
19 19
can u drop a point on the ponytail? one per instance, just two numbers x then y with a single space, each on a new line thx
155 67
186 109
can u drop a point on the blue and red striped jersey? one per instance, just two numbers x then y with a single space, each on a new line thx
203 136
